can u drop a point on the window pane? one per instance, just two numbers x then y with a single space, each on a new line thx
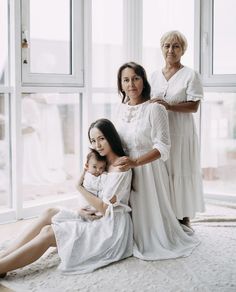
3 41
224 41
104 105
51 150
218 142
50 41
159 17
4 153
107 41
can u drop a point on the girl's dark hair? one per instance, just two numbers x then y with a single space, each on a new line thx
95 154
109 131
140 71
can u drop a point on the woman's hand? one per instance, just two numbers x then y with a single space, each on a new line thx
161 101
89 214
125 163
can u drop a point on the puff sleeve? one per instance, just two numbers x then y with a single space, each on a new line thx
194 89
118 184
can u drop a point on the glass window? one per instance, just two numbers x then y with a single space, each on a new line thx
4 153
107 41
50 39
224 41
51 146
3 41
104 105
159 17
218 142
52 42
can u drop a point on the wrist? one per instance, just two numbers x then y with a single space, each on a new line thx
136 162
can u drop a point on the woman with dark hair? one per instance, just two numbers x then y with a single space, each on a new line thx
84 241
144 131
140 73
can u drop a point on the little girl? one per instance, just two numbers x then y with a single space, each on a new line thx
95 176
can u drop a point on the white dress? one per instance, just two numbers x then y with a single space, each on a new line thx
84 246
157 233
184 162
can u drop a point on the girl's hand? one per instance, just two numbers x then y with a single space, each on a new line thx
125 163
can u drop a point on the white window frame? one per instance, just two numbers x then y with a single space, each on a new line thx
76 78
15 89
210 79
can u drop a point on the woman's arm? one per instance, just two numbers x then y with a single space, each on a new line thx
183 107
125 162
96 202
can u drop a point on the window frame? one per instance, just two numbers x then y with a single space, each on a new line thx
76 78
206 51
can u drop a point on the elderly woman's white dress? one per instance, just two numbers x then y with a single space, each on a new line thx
83 245
157 233
184 162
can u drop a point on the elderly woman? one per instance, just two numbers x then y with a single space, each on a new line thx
179 89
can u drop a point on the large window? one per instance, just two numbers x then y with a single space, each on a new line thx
218 142
160 17
3 42
4 153
5 94
48 98
52 49
41 102
218 114
48 43
51 146
218 42
224 42
107 54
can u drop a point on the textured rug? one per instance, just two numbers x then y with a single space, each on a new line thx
211 267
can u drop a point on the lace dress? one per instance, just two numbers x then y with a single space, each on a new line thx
83 245
184 162
157 233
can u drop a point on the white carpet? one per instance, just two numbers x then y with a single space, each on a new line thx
211 267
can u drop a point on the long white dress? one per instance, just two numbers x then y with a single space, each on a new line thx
184 161
157 233
84 246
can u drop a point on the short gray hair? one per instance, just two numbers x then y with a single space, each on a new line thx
174 34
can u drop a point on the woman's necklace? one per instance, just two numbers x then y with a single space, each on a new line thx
169 72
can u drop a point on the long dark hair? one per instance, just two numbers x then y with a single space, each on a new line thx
140 71
109 131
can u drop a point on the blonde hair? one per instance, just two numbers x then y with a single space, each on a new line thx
174 35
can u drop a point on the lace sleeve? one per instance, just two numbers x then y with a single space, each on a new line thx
160 130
